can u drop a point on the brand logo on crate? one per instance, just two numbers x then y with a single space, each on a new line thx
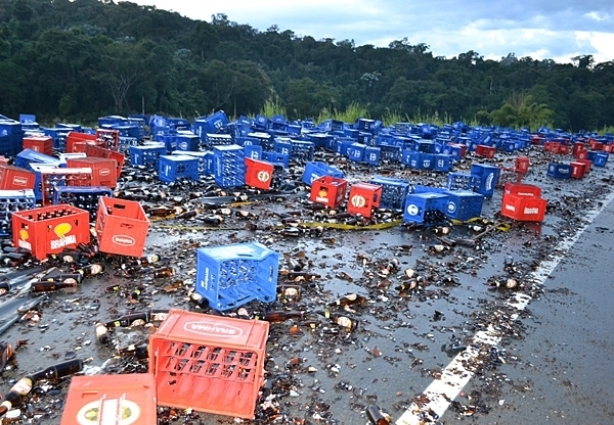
61 230
263 176
23 238
531 210
104 172
120 411
451 207
20 181
412 210
123 240
359 201
489 180
213 329
183 146
510 207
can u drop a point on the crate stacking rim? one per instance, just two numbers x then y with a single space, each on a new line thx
208 363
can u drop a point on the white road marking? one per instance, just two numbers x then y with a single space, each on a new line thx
458 373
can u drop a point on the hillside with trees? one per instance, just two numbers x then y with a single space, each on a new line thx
77 60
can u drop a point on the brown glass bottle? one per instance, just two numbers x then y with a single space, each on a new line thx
376 417
60 370
50 286
282 316
16 394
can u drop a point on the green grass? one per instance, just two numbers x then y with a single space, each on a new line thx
271 108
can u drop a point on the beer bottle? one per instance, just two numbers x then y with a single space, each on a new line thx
376 417
16 394
56 372
6 353
164 272
50 286
102 333
282 316
138 351
90 270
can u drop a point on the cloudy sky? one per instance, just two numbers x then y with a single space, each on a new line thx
541 29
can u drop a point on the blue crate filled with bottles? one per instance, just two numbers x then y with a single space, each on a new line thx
373 155
177 167
83 197
394 192
229 276
462 181
424 208
314 170
12 201
147 155
263 139
229 165
302 151
211 140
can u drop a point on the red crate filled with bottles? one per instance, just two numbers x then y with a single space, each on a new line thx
49 230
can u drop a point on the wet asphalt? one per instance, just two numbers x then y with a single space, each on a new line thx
553 368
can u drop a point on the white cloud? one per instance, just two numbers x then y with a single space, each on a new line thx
542 29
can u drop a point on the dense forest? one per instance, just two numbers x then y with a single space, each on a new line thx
80 59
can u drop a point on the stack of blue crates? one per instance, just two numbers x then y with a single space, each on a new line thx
12 201
394 191
176 167
229 276
229 165
147 155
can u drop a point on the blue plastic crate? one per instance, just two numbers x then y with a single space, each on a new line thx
462 181
558 170
489 177
410 158
203 159
509 146
83 197
261 122
282 146
246 141
443 162
390 154
315 170
426 161
229 276
147 155
302 151
168 140
276 158
601 159
364 124
341 146
229 165
187 142
356 152
419 207
394 191
463 205
175 167
454 151
264 139
373 155
125 143
210 124
212 140
425 146
321 140
12 201
253 151
30 156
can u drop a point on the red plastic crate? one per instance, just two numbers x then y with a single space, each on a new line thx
43 144
258 174
595 145
582 154
76 141
578 169
100 152
121 226
587 162
608 148
122 399
521 189
523 208
462 146
485 151
104 170
49 230
51 178
329 191
208 363
363 198
109 139
16 178
522 164
578 147
552 147
536 140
